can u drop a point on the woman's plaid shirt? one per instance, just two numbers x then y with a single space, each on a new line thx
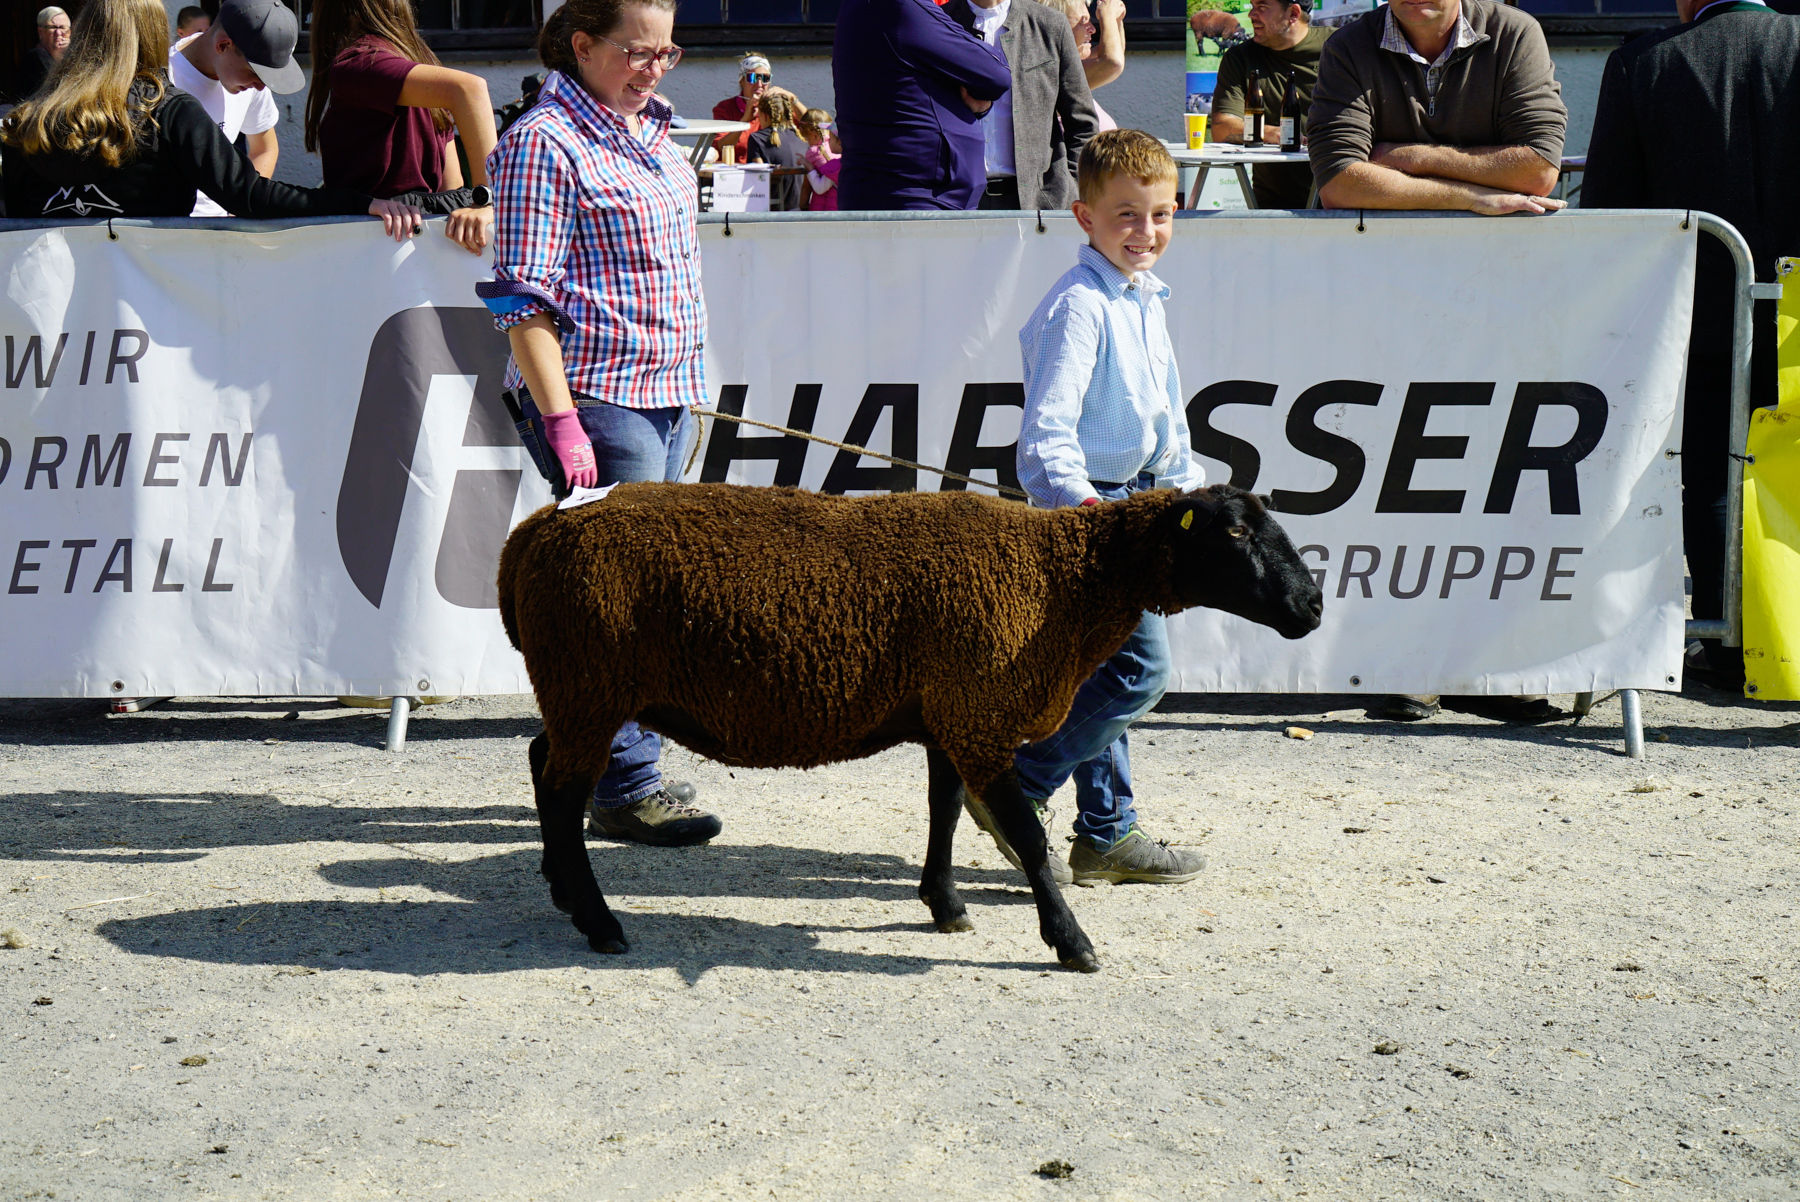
595 226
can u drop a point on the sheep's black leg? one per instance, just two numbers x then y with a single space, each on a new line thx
561 808
1007 802
937 887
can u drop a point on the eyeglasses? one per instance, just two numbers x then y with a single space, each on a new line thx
640 60
754 77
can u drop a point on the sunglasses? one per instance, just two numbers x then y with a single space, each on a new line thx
753 77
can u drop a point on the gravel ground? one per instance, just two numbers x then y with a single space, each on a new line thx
245 953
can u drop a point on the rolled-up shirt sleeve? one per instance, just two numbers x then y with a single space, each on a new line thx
1531 107
534 196
1340 125
1059 361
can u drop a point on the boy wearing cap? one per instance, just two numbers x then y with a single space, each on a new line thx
216 70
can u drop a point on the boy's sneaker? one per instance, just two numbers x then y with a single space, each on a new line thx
1136 857
984 818
660 820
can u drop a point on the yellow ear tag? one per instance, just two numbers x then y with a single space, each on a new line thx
1187 519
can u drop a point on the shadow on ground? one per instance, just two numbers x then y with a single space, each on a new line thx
447 937
495 915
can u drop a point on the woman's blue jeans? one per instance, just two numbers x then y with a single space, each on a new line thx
1090 746
629 444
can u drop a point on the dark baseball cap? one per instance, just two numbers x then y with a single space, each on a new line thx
265 32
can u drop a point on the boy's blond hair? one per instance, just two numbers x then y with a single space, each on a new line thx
1116 152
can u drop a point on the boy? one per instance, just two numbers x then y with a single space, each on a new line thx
1104 418
211 68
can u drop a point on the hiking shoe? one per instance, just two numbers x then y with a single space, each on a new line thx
1136 857
660 820
984 818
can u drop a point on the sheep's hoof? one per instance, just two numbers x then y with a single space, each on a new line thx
611 945
1080 961
952 926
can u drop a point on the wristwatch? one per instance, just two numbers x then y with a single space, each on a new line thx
480 196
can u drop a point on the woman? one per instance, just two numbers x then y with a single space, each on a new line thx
382 114
597 285
1102 46
108 137
755 78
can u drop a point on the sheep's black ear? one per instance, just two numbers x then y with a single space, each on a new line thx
1268 501
1199 507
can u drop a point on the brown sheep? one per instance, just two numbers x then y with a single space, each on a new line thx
770 627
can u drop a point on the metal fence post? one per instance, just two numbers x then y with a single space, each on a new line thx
398 709
1729 630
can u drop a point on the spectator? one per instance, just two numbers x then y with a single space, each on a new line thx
511 111
1440 104
777 141
1102 46
209 67
190 21
110 138
1286 45
1034 136
755 80
824 159
52 40
912 86
1104 418
1701 117
597 285
382 110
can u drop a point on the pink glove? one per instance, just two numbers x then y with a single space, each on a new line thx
573 450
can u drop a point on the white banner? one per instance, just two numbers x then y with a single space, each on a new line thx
274 463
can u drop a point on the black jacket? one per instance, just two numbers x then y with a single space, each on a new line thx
1706 116
182 151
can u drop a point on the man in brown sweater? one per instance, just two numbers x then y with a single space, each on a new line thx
1438 104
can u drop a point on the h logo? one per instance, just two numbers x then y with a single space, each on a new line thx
428 369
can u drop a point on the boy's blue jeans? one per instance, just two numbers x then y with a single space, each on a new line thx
1090 746
629 444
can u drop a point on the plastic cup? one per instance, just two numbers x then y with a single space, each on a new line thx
1196 130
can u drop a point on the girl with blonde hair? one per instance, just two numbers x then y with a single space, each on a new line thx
778 115
108 137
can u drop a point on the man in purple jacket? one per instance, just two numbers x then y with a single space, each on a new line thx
912 86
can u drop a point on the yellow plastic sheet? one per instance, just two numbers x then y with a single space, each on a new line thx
1772 520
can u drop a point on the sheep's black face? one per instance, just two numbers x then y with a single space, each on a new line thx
1233 555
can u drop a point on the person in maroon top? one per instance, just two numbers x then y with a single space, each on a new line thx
383 113
754 82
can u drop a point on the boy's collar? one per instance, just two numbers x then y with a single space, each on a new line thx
1115 281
